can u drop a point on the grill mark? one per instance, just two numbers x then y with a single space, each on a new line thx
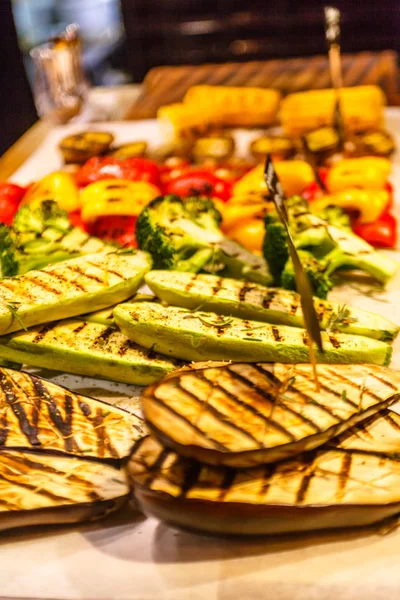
82 273
344 473
334 341
272 422
43 331
268 298
226 484
307 399
268 473
384 381
390 420
112 271
3 429
217 286
85 408
354 385
293 308
29 462
156 467
305 482
28 429
190 284
218 445
276 334
125 347
216 413
80 328
102 440
29 486
44 286
103 337
338 395
190 478
138 443
305 338
66 281
64 426
262 392
243 291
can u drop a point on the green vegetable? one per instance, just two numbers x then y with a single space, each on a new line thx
329 248
234 298
70 288
198 336
76 346
41 237
187 237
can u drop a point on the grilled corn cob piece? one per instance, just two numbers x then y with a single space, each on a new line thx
235 106
361 107
184 121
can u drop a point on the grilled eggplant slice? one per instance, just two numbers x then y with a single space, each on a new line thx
199 335
39 415
245 414
253 301
78 148
324 489
380 433
38 489
84 348
70 288
131 150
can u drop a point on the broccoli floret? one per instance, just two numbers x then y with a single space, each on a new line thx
320 281
334 247
203 212
334 215
41 237
187 237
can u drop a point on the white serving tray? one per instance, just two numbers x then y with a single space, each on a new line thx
131 557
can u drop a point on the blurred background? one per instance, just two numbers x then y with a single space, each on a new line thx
123 39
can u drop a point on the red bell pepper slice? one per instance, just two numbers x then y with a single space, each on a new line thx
200 183
10 199
381 234
104 167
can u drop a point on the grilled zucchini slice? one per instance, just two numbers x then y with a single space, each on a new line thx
319 490
253 301
84 348
214 147
245 414
197 335
38 489
46 417
70 288
78 148
277 146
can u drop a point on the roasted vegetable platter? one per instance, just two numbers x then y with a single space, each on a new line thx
130 556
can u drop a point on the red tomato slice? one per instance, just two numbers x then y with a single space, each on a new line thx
200 183
119 229
133 169
10 199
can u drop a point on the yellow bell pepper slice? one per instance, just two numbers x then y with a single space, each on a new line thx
111 197
233 215
294 176
368 172
57 186
250 234
370 204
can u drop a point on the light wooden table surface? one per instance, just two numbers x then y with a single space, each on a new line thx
114 102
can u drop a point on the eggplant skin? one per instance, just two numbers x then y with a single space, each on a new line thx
325 489
61 515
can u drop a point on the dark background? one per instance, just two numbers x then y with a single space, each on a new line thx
196 31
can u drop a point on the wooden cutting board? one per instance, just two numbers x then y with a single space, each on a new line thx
164 85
